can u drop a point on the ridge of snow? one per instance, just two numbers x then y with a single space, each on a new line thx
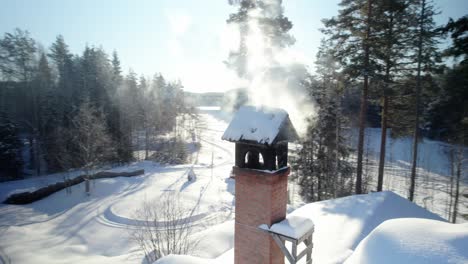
173 259
340 224
261 124
413 240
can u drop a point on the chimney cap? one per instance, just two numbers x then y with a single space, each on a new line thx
260 125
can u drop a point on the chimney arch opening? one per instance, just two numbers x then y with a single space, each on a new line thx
254 160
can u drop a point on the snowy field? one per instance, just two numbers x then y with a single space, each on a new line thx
76 228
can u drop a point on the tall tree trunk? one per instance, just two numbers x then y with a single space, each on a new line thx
36 131
418 92
320 173
312 160
146 140
363 112
337 144
450 191
383 142
458 168
383 136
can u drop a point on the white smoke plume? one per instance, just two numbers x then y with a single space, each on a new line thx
275 74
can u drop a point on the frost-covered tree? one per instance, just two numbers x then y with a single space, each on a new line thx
92 143
164 227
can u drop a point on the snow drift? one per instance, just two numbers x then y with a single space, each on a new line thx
413 241
341 224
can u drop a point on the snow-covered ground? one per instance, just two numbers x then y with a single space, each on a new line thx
76 228
434 171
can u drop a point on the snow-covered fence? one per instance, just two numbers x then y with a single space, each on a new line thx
29 197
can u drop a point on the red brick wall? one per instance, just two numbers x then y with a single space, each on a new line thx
260 199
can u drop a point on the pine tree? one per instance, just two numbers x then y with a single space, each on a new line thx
393 20
451 107
18 63
62 58
144 113
425 58
350 35
116 68
118 125
10 149
322 169
271 26
43 88
130 100
458 33
18 56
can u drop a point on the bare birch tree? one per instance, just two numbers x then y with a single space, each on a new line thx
91 140
164 227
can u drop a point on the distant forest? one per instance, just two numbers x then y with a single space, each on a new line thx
76 110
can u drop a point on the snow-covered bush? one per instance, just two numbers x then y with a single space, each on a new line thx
164 227
191 176
171 152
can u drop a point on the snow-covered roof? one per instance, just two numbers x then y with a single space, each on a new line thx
342 225
413 240
263 125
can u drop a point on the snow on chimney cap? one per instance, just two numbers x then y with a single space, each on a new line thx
261 125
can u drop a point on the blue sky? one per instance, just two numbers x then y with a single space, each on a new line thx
183 39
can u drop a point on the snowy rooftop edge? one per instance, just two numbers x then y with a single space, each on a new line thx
258 124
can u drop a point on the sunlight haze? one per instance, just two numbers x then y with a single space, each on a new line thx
184 39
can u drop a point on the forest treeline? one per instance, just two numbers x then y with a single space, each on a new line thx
76 110
377 56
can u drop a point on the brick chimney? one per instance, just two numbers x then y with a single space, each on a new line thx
261 198
261 174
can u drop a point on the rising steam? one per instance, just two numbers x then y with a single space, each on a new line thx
275 74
